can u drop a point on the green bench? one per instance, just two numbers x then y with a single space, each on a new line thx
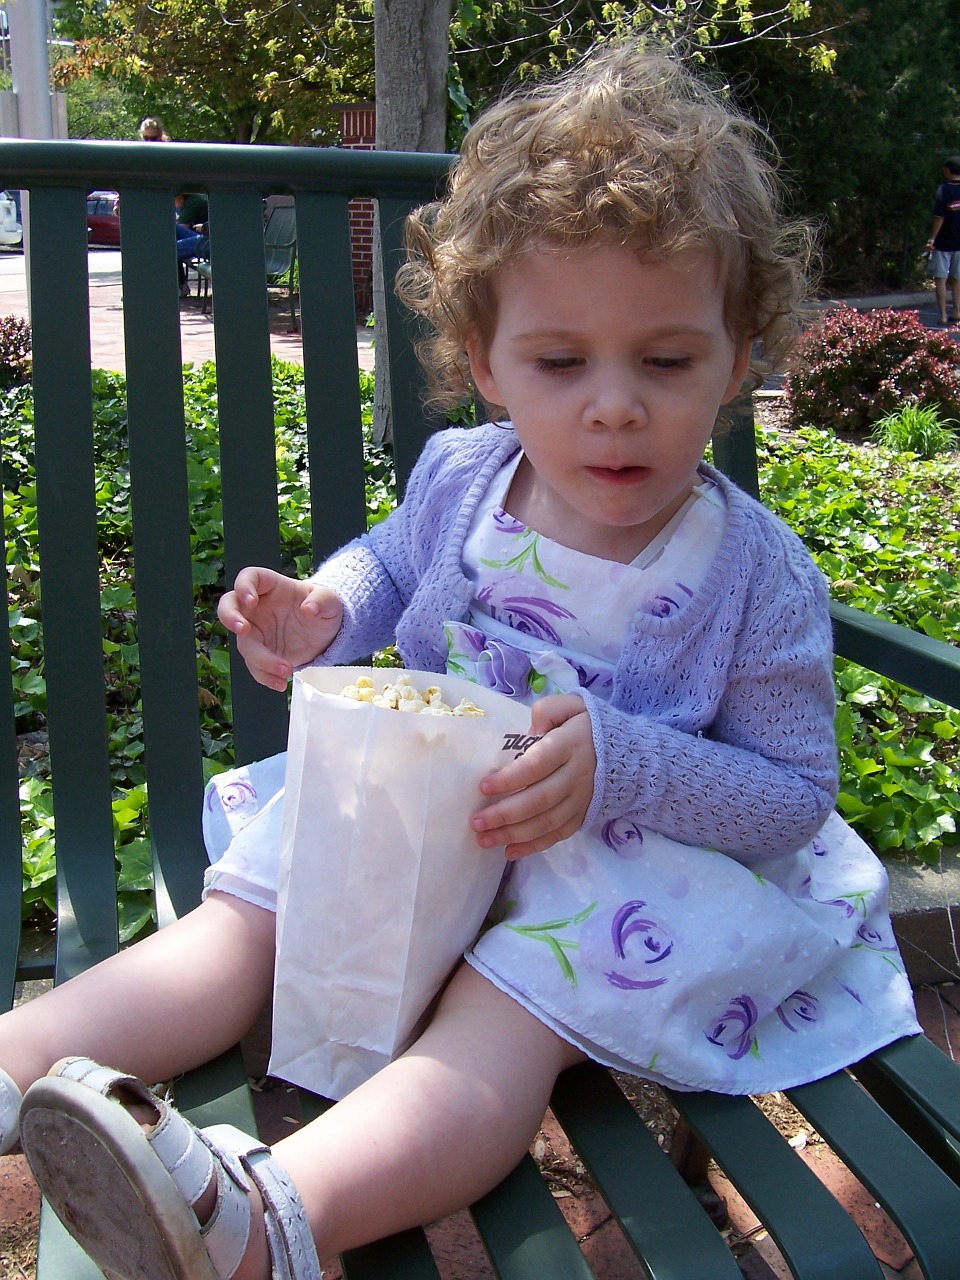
894 1119
280 256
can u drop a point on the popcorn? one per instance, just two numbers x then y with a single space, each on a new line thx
403 695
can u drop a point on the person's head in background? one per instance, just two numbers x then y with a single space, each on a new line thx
152 130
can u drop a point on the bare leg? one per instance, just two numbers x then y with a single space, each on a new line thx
166 1004
427 1136
955 293
436 1129
940 289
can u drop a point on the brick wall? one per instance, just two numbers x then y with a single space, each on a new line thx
358 131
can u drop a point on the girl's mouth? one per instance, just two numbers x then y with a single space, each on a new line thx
619 475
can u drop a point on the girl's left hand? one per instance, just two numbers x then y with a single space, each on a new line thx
548 789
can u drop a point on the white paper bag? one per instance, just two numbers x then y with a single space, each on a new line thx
382 884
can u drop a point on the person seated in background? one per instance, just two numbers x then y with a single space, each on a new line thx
192 232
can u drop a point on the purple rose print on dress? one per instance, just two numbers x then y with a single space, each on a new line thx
591 679
474 640
849 990
506 523
638 943
868 936
798 1010
502 668
848 906
235 795
733 1030
623 836
661 606
529 615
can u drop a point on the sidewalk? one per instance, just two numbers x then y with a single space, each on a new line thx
196 329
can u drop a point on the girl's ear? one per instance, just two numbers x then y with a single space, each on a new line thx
480 370
740 366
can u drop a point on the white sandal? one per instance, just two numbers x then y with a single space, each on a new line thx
124 1193
10 1100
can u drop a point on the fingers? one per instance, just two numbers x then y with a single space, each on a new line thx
553 711
279 623
322 604
266 667
542 797
237 606
536 819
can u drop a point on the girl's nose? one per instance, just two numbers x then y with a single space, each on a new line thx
616 402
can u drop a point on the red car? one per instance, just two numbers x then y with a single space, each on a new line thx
103 220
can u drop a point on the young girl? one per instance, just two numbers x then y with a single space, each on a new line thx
682 904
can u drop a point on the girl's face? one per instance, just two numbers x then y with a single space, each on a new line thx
612 370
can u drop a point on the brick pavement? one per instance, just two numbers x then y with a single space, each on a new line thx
196 328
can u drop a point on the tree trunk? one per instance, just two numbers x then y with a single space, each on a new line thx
411 54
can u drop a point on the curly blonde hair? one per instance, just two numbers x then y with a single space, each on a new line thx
627 148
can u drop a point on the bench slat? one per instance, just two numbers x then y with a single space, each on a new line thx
72 633
59 1257
650 1200
328 318
813 1232
161 534
11 845
412 425
523 1231
247 443
926 1074
405 1256
917 661
916 1194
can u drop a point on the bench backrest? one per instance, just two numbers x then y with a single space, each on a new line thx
236 179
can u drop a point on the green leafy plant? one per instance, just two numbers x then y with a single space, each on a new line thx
118 606
853 368
917 429
885 530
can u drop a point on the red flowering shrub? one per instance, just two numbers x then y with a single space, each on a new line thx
854 368
15 345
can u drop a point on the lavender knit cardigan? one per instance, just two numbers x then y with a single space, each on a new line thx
719 730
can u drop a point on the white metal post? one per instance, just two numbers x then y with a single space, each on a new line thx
30 69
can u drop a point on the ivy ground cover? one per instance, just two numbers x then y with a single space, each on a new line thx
883 528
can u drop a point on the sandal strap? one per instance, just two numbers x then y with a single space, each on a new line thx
173 1138
10 1099
190 1160
227 1231
293 1254
105 1080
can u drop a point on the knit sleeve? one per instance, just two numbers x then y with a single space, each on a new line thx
372 603
377 575
761 777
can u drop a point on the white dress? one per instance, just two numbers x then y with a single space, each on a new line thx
664 960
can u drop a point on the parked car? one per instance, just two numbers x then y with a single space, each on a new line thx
11 232
103 219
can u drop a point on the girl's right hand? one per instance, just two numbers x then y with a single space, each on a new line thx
280 622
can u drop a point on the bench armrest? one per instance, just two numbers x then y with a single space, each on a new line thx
909 657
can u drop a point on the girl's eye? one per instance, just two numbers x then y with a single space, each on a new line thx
557 364
670 363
